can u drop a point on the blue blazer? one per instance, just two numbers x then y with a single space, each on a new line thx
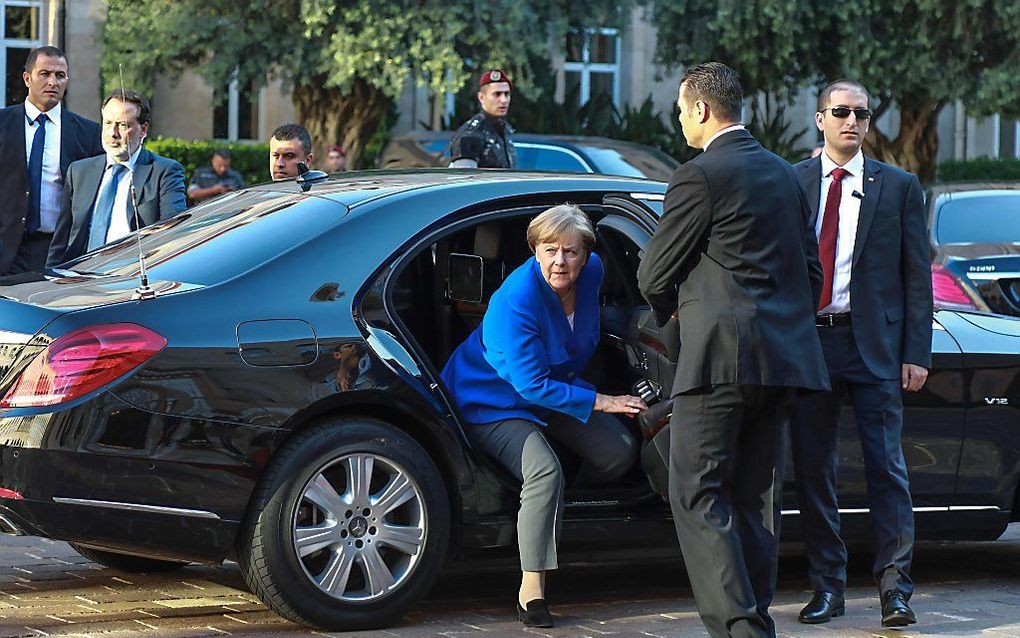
524 361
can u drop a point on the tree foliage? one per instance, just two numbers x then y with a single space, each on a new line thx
917 54
347 60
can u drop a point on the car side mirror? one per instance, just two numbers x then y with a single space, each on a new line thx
465 277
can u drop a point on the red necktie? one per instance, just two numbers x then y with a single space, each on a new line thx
828 234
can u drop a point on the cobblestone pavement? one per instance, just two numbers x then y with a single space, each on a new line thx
963 589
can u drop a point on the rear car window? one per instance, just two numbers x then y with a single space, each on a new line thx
219 240
629 161
544 158
979 219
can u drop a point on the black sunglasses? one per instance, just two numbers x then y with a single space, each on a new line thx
843 112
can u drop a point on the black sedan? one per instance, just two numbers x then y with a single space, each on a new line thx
975 231
272 395
559 153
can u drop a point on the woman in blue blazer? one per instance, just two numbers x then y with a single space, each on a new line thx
516 379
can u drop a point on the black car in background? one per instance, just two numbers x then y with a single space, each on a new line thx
274 398
558 153
975 232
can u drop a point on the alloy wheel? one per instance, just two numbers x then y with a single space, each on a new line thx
359 527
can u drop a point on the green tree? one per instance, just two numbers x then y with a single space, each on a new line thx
346 61
917 54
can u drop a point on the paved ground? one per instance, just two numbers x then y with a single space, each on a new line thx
963 589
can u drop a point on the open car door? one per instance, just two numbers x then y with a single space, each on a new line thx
627 321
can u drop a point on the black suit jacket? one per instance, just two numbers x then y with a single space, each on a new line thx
735 237
159 185
890 277
79 138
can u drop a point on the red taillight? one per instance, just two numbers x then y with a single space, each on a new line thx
948 292
11 494
82 361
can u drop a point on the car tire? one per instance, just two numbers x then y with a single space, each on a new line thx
126 562
348 527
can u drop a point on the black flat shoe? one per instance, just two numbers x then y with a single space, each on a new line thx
895 610
823 607
536 615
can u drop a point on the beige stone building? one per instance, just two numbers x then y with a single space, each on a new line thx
617 62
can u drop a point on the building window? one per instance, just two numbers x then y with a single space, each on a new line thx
592 65
1009 137
21 25
236 117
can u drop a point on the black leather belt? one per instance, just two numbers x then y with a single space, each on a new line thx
831 320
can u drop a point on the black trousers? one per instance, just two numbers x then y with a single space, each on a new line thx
814 433
31 253
725 443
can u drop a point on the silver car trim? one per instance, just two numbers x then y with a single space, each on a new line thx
993 275
652 197
944 508
137 507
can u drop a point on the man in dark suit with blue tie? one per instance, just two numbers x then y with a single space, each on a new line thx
875 325
109 197
38 139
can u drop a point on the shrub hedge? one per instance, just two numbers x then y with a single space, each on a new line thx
982 168
250 160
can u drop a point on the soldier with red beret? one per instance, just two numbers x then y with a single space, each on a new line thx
485 141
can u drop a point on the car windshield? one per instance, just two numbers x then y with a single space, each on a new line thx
630 161
213 242
979 218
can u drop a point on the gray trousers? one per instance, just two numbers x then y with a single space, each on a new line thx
608 450
725 442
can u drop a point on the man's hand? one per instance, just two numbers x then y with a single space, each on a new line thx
913 377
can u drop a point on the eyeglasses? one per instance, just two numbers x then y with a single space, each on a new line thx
843 112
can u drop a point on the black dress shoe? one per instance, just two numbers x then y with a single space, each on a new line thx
536 615
895 610
824 606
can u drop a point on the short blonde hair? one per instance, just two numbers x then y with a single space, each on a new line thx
557 221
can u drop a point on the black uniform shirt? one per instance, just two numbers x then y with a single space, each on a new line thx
487 140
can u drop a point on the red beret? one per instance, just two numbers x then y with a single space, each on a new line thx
495 75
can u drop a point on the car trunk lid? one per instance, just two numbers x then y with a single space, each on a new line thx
994 269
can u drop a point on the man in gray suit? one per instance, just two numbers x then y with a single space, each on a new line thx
99 201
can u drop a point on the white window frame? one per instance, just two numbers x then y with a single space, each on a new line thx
234 109
17 43
586 67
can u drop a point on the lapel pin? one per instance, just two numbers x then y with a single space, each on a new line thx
871 179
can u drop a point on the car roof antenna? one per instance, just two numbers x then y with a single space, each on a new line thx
307 176
143 291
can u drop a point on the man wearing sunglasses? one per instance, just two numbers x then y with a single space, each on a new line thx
875 326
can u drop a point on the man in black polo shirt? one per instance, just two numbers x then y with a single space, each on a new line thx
215 179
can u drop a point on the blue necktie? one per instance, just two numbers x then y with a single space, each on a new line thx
35 174
103 211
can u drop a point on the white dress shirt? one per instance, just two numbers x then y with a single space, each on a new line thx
846 237
119 224
52 182
735 127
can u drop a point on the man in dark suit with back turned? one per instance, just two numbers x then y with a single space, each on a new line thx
874 322
38 140
735 237
99 203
